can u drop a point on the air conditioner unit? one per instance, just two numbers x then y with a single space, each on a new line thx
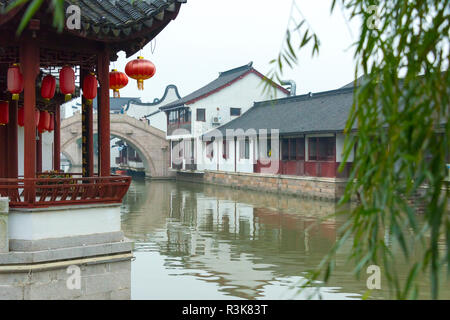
216 120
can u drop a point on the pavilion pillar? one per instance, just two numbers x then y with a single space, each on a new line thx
87 134
13 167
3 151
57 140
29 60
39 153
103 115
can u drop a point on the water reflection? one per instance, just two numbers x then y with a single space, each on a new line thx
198 241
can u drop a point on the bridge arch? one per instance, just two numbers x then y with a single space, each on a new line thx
149 142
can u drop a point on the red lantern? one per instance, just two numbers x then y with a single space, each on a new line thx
44 121
4 113
67 82
51 125
48 87
15 81
21 116
90 87
140 70
117 81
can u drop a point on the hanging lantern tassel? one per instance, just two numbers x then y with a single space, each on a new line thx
140 84
4 113
140 70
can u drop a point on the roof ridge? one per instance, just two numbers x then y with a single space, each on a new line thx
304 97
241 68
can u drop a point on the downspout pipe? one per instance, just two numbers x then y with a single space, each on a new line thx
292 86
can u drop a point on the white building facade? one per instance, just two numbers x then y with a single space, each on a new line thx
219 102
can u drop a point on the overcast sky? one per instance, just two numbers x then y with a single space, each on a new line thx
210 36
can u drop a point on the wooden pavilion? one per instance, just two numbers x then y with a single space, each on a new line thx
107 27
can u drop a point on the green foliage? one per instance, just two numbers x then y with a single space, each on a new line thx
401 110
32 9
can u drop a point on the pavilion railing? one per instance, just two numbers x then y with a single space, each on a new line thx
46 192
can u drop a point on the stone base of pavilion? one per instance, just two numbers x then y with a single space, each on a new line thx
44 250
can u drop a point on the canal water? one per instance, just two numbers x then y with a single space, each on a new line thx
203 242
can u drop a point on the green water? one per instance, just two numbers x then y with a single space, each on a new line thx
205 242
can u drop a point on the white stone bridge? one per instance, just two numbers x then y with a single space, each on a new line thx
149 142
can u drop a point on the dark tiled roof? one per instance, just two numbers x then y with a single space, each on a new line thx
120 20
223 79
157 101
116 104
320 112
116 16
120 16
360 81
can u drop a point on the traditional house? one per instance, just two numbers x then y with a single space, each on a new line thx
308 139
220 101
150 111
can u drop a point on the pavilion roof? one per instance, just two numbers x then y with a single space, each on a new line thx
123 24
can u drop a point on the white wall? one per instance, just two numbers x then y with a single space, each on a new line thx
158 120
60 222
47 151
21 153
241 94
340 140
114 152
221 164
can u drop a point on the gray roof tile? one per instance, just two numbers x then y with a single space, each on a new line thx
321 112
223 79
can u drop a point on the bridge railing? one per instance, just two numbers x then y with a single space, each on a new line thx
46 192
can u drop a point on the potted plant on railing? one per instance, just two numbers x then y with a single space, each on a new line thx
53 178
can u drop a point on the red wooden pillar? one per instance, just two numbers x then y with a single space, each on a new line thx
90 141
3 152
29 59
57 140
103 114
13 166
87 134
39 153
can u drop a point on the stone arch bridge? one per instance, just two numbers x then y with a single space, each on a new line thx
149 142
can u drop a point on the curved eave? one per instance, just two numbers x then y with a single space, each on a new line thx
129 32
130 35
